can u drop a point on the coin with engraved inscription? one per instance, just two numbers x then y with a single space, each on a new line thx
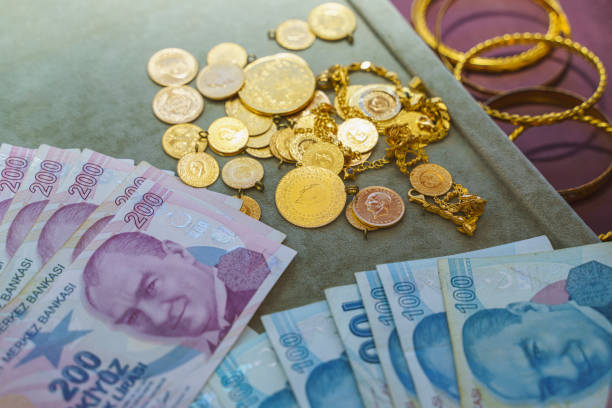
172 67
178 104
197 169
431 180
249 206
300 143
242 173
261 153
378 207
354 221
256 124
220 81
323 154
181 139
263 140
294 35
227 135
310 197
360 135
227 53
379 102
332 21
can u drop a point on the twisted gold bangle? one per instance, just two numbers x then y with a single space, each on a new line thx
522 38
558 24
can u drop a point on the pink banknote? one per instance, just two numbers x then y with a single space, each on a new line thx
14 163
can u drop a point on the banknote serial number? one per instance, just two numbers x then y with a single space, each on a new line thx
144 209
296 352
86 180
463 293
360 327
13 173
240 391
46 177
408 301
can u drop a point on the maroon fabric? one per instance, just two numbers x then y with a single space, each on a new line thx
567 154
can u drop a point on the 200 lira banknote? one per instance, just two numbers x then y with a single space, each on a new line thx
14 164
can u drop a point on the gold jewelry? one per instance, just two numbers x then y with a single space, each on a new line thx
607 237
227 136
293 35
197 169
228 53
243 173
332 21
522 38
220 81
172 67
178 104
181 139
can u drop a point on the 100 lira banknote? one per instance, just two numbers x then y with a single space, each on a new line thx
532 330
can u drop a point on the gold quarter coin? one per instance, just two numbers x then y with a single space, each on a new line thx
379 207
360 135
277 85
256 124
323 154
310 197
220 81
300 143
273 148
379 102
261 153
178 104
354 221
181 139
172 67
318 98
227 53
249 206
242 173
350 91
431 180
260 141
227 135
362 158
332 21
282 143
197 169
294 35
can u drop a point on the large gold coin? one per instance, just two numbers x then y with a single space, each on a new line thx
332 21
181 139
354 221
310 197
250 207
220 81
277 86
172 67
242 173
323 154
178 104
318 98
256 124
227 135
198 169
260 141
350 91
360 135
227 53
431 180
282 142
300 143
261 153
294 35
379 102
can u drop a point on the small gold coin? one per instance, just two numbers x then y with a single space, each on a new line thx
198 169
318 98
354 221
300 143
323 154
172 67
242 173
362 158
310 197
282 143
431 180
350 91
250 207
178 104
225 154
260 141
332 21
277 85
261 153
256 124
220 81
227 135
379 102
360 135
273 148
294 35
378 207
181 139
227 53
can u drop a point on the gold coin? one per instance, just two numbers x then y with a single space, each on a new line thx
431 180
273 148
360 135
379 102
225 154
261 153
250 207
227 135
318 98
227 53
172 67
378 207
310 197
350 91
300 143
362 158
178 104
326 155
332 21
198 169
242 173
294 35
220 81
306 124
256 124
260 141
282 143
292 56
277 85
354 221
181 139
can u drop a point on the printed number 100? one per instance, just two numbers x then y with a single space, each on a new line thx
463 293
296 352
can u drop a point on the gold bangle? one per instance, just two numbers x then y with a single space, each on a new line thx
522 38
592 116
558 24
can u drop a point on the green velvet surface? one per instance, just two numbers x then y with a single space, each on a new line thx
73 74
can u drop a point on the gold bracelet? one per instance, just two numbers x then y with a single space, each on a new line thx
522 38
558 24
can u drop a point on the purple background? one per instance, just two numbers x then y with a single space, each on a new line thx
569 153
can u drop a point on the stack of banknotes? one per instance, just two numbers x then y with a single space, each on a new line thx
119 285
516 325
